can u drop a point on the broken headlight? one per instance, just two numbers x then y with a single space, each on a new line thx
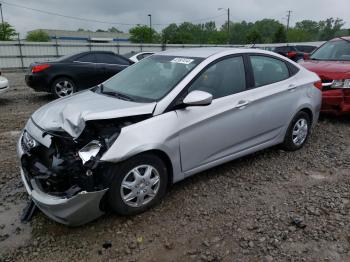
29 141
90 151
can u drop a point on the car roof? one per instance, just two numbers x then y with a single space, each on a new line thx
337 38
205 52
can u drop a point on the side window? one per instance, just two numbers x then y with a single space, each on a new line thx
223 78
140 57
111 59
268 70
89 58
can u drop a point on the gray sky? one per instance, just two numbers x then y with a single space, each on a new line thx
164 12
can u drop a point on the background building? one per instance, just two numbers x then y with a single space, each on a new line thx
86 36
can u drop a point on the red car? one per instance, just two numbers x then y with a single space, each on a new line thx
331 62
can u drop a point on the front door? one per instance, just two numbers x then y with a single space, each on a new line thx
222 128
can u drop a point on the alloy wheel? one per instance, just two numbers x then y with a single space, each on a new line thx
64 88
300 132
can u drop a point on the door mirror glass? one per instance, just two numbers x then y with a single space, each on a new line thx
198 98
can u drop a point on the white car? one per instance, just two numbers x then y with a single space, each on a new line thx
136 57
4 84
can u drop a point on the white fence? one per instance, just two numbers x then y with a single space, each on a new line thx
20 54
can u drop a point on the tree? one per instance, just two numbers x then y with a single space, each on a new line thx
7 32
267 29
38 36
280 35
169 34
299 35
311 28
329 27
143 34
254 37
100 30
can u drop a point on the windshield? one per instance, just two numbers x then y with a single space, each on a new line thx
338 50
151 78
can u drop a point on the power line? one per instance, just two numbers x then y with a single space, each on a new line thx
99 21
66 16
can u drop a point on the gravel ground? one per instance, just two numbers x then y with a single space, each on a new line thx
270 206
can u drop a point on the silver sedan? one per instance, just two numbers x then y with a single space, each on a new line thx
121 144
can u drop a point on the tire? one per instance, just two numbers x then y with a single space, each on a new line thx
124 176
62 87
291 141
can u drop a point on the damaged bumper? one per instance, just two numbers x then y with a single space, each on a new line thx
75 210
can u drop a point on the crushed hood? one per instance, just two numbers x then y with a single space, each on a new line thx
70 114
328 69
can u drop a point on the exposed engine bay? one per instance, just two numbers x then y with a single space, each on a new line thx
72 165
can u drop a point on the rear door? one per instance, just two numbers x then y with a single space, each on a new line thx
276 90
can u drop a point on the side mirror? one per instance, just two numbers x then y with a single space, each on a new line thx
198 98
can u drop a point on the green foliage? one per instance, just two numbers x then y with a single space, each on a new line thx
308 27
254 37
267 29
7 32
262 31
143 34
38 36
298 35
280 35
329 28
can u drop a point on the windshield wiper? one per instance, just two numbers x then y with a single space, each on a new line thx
118 95
115 94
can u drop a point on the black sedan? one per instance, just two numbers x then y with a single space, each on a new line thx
295 52
73 73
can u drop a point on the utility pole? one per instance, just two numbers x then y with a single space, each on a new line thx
150 26
228 23
288 19
2 21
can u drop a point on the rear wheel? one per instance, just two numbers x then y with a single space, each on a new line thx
63 87
298 132
138 184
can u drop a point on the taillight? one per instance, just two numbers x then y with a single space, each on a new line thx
291 54
318 85
39 68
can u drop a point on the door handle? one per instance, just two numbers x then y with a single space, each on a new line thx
242 104
292 87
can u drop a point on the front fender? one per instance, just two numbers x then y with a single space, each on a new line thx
157 133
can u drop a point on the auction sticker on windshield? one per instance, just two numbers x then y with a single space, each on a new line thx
181 60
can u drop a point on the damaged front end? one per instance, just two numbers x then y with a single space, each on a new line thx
64 175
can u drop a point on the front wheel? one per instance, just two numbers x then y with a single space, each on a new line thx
138 184
298 132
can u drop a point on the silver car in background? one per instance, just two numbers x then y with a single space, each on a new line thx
4 84
119 145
